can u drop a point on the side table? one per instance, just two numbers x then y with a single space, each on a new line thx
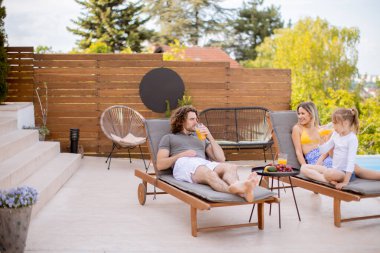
277 175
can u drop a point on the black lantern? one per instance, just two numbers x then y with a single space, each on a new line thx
74 139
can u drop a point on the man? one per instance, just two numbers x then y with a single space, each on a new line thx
186 154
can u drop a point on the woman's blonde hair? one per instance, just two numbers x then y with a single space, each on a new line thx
350 114
311 109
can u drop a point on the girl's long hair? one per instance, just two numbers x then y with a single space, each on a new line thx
350 114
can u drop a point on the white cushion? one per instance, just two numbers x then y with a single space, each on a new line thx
130 139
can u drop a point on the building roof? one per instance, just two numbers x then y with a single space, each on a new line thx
211 54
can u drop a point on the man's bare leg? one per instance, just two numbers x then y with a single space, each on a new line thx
204 175
245 188
227 172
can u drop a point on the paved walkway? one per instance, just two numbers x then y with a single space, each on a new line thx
98 211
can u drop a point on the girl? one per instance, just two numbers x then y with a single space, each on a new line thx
345 144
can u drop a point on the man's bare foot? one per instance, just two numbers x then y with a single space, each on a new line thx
252 175
248 194
245 188
253 178
334 182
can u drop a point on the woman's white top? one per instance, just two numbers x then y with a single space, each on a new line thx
345 148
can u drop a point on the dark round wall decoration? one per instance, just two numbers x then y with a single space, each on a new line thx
159 85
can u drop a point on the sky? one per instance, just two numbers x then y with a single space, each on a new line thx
44 22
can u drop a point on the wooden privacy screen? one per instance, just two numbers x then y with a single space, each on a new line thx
82 86
20 74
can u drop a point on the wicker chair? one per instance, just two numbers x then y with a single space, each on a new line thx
125 128
239 127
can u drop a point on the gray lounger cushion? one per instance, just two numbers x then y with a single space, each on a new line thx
358 185
156 128
205 191
282 123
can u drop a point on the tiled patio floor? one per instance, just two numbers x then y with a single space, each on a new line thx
98 211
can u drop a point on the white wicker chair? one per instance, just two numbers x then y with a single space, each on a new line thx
125 128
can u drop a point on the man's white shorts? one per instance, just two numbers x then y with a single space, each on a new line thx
185 167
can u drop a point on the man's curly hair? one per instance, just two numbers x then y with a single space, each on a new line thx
179 117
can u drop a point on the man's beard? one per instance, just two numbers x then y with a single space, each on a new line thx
191 130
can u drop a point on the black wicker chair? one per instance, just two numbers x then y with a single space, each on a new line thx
239 127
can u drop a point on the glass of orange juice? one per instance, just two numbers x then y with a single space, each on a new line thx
201 136
326 130
282 158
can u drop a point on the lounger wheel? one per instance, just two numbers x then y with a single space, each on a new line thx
141 193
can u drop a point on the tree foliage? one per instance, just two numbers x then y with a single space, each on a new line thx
176 52
252 25
323 61
369 138
3 56
318 54
98 47
187 20
41 49
116 23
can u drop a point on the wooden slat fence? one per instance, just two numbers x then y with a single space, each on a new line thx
82 86
20 75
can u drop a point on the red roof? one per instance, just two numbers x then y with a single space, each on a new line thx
210 54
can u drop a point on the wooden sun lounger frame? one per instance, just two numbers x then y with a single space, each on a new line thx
196 203
337 195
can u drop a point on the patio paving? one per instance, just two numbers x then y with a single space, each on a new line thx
97 211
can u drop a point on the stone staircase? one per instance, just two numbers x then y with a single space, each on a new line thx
24 160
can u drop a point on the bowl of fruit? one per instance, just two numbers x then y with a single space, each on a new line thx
276 170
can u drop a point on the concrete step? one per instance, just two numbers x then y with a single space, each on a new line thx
20 166
26 161
23 112
7 125
51 177
16 141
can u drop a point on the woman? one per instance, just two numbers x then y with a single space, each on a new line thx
306 136
306 140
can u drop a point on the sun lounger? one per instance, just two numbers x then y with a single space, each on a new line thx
282 123
197 196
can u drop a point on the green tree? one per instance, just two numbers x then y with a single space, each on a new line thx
323 61
40 49
318 54
187 20
176 52
369 133
165 12
253 24
116 23
98 47
3 56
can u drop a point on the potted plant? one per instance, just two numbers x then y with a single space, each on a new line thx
43 130
15 211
